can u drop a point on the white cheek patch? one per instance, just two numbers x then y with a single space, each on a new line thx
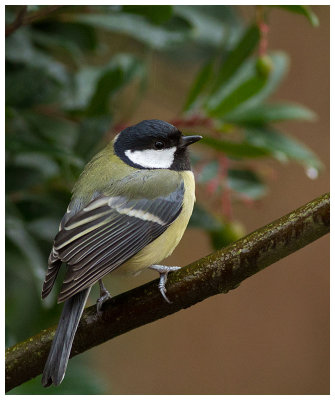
152 158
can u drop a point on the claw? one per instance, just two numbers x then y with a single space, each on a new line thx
163 271
161 286
104 296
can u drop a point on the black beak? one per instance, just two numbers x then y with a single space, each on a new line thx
187 140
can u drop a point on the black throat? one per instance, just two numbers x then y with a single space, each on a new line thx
181 160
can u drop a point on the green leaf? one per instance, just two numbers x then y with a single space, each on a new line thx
302 10
60 132
235 150
267 113
108 83
41 89
91 131
122 70
41 162
22 177
16 232
248 86
20 49
280 62
35 146
94 86
221 233
156 14
247 183
282 147
80 92
208 172
44 228
241 94
135 26
199 84
238 55
206 28
202 219
49 203
23 291
74 37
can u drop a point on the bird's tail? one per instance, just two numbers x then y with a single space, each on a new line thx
59 354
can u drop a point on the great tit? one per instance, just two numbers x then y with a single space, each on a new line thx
129 210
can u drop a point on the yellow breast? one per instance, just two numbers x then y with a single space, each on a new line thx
164 245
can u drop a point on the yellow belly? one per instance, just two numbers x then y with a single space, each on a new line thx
164 245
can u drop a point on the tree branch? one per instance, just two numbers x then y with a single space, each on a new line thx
217 273
23 19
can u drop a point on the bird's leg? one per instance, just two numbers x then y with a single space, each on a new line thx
104 296
163 271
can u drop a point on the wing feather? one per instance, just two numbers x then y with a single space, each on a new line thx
108 232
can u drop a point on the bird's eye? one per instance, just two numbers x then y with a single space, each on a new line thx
158 145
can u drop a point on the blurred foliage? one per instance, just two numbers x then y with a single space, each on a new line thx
64 83
79 379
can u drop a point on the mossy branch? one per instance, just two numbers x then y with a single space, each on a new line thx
217 273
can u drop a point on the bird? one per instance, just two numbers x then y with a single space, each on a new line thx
128 211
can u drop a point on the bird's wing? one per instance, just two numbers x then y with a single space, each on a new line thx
108 232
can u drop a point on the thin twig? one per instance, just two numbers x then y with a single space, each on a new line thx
17 22
217 273
23 19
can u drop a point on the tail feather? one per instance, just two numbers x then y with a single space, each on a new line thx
59 354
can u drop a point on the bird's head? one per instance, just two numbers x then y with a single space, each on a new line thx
154 144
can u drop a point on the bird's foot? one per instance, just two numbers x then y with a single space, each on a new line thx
163 271
104 296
